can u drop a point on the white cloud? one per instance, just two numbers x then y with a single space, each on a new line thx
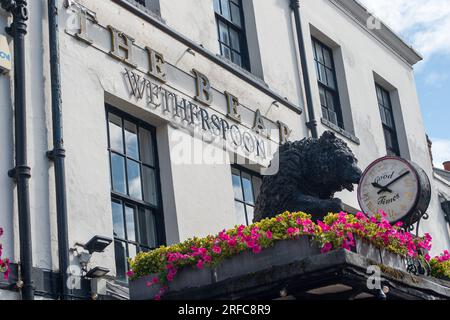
425 23
441 152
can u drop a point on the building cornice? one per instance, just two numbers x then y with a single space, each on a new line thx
380 30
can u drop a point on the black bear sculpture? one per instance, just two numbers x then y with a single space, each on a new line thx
310 172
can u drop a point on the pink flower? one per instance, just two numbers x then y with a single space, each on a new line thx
217 250
232 242
130 273
200 264
427 257
327 247
257 249
269 234
293 231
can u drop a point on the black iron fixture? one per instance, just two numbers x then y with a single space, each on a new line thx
58 154
96 244
22 172
312 123
97 272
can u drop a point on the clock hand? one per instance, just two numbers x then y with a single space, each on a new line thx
395 180
378 186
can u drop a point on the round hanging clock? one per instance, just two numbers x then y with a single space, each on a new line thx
396 186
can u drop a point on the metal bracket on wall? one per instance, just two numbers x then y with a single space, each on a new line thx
56 153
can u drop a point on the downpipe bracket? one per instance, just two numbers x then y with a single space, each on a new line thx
20 171
54 154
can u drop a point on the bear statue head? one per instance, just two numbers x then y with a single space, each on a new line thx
321 167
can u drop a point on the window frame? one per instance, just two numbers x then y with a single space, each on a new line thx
395 150
240 30
125 200
252 174
333 91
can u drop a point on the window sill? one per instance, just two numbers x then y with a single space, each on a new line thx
350 136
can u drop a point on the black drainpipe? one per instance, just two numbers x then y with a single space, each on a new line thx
22 172
312 123
58 154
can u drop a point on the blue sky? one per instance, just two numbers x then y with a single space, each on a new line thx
425 24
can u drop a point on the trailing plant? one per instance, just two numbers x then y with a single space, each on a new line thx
440 266
336 231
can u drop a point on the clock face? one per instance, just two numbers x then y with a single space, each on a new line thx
391 185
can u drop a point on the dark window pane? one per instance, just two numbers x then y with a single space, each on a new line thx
118 224
131 140
146 144
149 181
226 52
388 137
379 96
248 188
115 133
131 228
118 173
237 186
320 57
330 100
389 121
383 115
235 14
332 117
257 183
330 79
325 113
235 40
226 9
240 213
237 58
134 179
322 74
147 228
250 214
323 98
327 59
386 99
223 33
121 260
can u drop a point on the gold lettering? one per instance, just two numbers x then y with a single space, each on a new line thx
157 65
232 107
285 132
203 87
121 47
82 34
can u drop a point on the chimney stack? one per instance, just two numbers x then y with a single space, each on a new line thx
447 166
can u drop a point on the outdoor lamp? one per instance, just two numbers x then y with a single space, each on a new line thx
97 272
97 244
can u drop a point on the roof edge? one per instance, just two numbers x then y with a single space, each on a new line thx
383 32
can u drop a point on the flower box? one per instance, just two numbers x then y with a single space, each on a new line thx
283 252
393 260
368 250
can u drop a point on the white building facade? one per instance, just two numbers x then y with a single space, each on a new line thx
160 98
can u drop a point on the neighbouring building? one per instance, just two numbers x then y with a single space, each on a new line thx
171 109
